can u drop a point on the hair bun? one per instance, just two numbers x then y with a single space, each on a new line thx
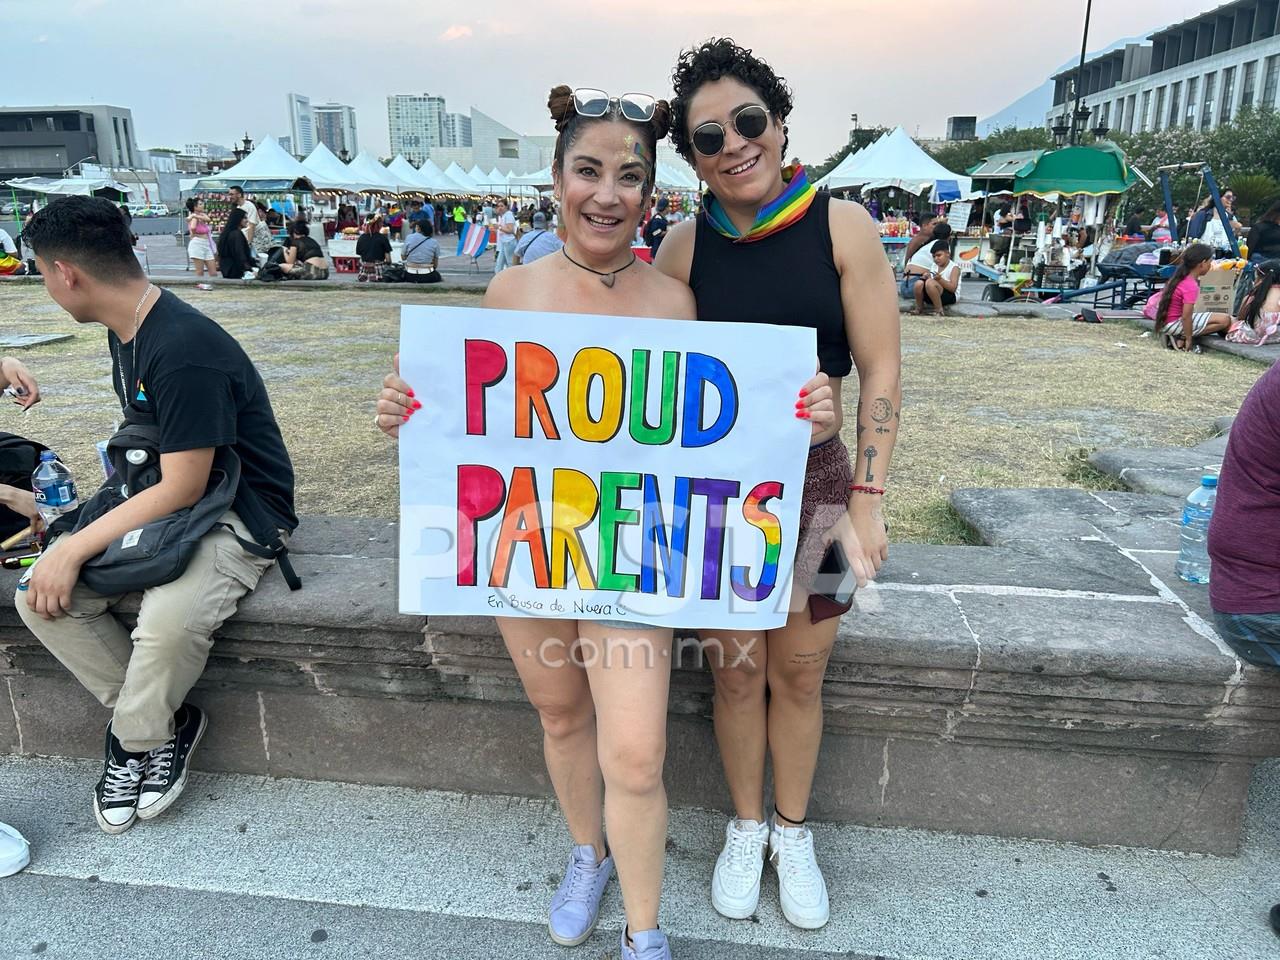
661 121
560 103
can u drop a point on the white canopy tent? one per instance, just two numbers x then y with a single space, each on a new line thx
330 173
436 181
267 168
366 168
674 176
407 174
895 160
69 187
458 175
540 180
478 176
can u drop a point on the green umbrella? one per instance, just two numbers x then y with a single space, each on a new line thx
1094 170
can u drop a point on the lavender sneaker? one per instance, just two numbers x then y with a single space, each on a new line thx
646 945
576 905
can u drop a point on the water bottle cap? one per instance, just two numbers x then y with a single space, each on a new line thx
47 455
1209 480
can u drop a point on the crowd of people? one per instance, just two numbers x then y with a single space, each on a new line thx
191 387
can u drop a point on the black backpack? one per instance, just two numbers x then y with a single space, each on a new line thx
19 458
158 552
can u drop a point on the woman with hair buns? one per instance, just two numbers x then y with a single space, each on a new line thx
769 248
604 724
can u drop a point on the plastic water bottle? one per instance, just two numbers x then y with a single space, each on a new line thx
54 487
1193 558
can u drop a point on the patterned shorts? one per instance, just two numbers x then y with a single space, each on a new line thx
826 497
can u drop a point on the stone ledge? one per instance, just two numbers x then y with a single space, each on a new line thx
1266 355
1054 654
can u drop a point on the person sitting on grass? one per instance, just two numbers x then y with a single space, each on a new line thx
942 283
1173 307
303 258
1259 319
374 250
919 256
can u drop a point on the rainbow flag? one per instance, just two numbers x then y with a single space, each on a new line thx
473 240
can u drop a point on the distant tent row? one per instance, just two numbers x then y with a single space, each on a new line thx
895 160
269 167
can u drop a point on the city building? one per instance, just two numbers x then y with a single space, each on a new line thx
457 130
1196 74
335 125
494 144
416 124
302 125
47 141
962 128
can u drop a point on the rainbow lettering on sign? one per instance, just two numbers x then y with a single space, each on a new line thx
544 521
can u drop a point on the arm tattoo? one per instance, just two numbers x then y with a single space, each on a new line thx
881 410
870 453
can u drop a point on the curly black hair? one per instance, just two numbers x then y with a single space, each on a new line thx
712 60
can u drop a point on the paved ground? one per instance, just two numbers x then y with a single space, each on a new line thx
245 867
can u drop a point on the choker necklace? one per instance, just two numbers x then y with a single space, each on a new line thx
606 277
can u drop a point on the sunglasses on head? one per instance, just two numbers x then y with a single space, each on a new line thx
750 121
636 107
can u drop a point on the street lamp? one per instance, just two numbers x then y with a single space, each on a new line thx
67 172
245 148
344 154
1060 130
1077 123
853 134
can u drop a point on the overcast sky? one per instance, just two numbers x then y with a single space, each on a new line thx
209 71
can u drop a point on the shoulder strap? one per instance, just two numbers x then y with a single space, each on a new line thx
266 541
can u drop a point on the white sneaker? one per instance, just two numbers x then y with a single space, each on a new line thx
735 884
15 852
802 890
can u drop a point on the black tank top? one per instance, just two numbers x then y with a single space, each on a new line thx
789 278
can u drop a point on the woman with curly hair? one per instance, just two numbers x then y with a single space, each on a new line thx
604 719
768 248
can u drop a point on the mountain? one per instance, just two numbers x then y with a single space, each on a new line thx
1029 109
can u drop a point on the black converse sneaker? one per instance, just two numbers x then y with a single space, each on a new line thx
115 799
167 765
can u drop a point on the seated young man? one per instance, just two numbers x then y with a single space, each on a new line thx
1244 587
919 255
173 363
942 283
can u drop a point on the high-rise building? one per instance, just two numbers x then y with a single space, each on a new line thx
416 122
302 125
457 130
336 127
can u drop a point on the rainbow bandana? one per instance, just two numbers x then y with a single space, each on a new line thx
779 213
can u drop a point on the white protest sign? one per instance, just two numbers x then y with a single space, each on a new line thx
589 467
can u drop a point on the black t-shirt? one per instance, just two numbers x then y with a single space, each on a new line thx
373 247
1264 239
307 248
204 391
654 231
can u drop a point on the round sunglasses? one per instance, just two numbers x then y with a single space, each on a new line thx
750 121
637 107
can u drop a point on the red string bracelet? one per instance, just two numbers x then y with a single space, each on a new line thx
863 488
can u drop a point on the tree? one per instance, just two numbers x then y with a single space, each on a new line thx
959 156
1253 191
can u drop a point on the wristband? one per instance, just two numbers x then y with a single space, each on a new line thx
863 488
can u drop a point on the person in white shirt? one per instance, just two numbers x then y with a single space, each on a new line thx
7 245
250 211
943 282
506 237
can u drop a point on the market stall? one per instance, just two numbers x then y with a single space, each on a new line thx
268 174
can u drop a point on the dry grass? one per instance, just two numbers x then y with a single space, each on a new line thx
986 402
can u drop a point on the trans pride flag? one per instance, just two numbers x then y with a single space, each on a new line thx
473 240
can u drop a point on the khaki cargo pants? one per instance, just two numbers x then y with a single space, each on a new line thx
145 676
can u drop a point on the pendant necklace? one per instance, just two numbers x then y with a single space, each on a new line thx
137 322
606 277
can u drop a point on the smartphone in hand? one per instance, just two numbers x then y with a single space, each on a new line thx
835 578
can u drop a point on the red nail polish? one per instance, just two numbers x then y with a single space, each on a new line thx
417 404
804 393
406 417
802 414
799 404
408 393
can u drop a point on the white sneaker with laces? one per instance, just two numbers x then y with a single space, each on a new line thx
802 889
735 884
15 852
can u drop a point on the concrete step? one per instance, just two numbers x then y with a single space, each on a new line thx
258 868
